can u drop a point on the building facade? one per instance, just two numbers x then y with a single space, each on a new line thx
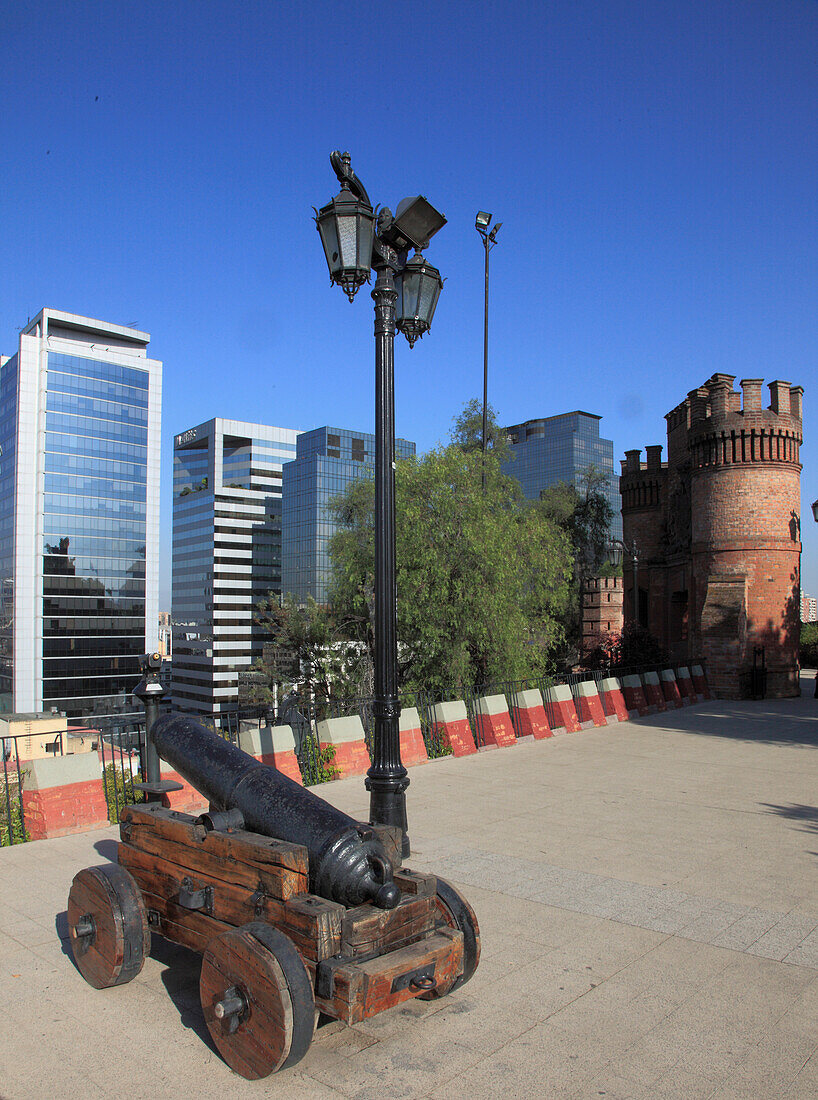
327 460
809 609
227 478
602 611
718 533
80 420
562 449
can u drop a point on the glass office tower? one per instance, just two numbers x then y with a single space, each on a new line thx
327 460
561 448
80 412
226 555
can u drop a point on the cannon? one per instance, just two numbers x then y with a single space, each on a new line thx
297 909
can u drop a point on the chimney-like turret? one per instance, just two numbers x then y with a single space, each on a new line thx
752 394
698 404
779 396
654 457
720 391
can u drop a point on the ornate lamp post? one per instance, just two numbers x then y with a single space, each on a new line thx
405 294
481 224
615 554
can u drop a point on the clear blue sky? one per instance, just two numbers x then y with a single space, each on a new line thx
654 164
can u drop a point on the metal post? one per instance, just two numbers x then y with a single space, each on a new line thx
150 692
387 779
485 360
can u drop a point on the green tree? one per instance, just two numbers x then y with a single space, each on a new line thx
808 654
482 577
467 430
300 645
584 513
352 588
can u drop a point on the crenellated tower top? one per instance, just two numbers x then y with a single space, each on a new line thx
727 427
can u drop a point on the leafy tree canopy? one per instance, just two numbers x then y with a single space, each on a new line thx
482 577
584 513
467 430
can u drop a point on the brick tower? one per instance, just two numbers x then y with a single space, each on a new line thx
718 532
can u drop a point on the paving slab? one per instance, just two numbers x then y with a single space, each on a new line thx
649 916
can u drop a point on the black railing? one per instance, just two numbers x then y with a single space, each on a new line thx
12 818
121 741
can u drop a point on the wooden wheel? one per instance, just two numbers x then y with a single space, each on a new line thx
457 913
257 1000
107 925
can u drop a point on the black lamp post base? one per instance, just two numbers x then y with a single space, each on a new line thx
387 805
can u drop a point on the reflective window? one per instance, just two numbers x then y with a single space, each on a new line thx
94 532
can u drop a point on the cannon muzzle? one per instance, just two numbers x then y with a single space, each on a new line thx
348 863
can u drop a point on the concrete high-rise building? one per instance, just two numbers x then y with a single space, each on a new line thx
327 460
226 554
80 420
562 448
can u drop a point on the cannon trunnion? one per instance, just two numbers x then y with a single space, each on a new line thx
275 952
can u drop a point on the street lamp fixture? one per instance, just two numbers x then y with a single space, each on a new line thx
347 228
815 510
418 286
406 291
616 548
481 224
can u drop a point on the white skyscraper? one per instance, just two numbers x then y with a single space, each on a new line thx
226 554
80 420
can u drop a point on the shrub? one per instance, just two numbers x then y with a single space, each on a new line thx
17 833
808 649
118 791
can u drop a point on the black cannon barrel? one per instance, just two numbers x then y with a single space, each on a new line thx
348 863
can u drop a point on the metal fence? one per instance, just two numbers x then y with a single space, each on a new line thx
121 743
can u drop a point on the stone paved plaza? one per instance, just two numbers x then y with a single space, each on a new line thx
648 902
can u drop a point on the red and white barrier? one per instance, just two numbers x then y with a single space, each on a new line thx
274 746
613 700
559 706
700 682
450 722
412 746
635 698
494 726
653 691
686 689
589 706
670 688
63 794
346 735
531 717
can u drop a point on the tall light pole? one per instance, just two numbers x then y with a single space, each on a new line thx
481 224
405 294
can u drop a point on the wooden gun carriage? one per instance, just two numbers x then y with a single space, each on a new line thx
275 952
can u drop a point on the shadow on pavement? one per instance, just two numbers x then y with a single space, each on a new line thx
181 980
769 722
61 925
108 849
807 815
